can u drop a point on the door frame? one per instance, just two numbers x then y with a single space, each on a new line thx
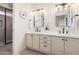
5 25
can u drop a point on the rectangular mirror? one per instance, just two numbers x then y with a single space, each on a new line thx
39 19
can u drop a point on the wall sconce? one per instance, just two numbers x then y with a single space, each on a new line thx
22 14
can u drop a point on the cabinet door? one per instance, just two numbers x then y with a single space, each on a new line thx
72 46
29 40
36 41
57 45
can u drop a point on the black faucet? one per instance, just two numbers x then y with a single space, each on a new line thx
63 30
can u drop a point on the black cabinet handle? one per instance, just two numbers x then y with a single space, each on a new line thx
62 39
66 40
31 35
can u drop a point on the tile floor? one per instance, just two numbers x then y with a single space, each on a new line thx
6 49
31 52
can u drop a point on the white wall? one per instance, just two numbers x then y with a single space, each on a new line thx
19 27
6 5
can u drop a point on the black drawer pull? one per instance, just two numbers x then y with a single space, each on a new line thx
45 37
44 45
45 42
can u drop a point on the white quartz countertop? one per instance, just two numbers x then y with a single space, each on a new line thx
55 34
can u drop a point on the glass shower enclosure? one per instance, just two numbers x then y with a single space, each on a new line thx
5 26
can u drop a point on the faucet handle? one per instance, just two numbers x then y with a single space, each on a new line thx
59 31
67 32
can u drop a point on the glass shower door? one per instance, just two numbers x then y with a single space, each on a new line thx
8 26
2 26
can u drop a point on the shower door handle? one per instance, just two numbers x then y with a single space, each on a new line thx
1 23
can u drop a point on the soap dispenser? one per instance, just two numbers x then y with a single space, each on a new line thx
47 27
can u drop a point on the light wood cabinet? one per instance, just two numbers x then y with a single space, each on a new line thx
29 40
36 41
72 47
53 45
57 45
67 46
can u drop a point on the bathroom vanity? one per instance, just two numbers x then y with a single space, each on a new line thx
53 44
57 38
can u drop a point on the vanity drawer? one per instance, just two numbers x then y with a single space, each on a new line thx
45 47
44 41
45 38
